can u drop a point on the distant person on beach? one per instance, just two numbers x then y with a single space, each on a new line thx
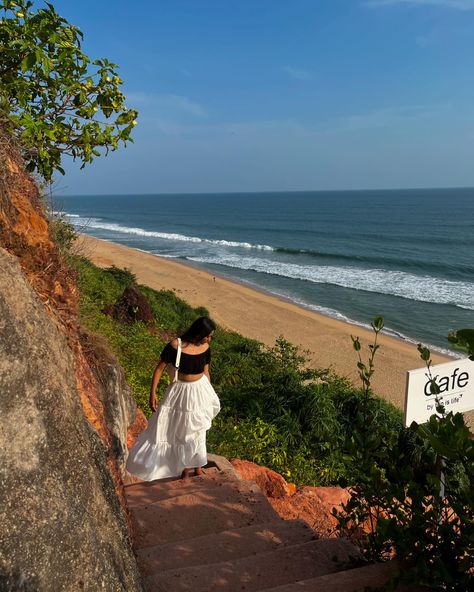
174 443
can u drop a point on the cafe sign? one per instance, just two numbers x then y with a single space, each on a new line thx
455 381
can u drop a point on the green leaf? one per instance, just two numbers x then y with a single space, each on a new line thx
464 339
47 66
28 62
378 323
424 352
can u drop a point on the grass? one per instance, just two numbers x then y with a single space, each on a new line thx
275 410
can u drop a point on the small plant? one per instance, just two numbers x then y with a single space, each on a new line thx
63 233
254 440
464 340
369 449
123 276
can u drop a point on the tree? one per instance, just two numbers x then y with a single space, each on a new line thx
53 99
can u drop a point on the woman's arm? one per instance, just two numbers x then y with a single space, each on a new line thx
160 368
206 372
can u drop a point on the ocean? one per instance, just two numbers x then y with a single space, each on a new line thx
352 255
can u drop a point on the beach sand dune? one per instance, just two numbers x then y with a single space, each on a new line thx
265 317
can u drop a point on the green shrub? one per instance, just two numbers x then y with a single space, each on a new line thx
305 412
397 495
124 276
254 440
62 233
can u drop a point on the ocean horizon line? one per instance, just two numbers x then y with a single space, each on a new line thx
269 191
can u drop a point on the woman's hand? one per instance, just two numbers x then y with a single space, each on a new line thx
154 383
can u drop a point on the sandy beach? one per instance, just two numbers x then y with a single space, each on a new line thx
265 317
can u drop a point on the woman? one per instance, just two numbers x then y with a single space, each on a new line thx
175 440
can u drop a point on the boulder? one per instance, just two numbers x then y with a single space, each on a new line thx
123 419
314 505
62 526
271 483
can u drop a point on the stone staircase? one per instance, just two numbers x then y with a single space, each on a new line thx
218 533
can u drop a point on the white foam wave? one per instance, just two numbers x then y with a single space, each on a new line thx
335 314
394 283
101 225
81 223
164 255
60 213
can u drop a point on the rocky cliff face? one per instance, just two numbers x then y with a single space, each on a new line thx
65 414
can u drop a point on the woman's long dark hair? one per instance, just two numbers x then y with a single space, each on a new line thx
201 328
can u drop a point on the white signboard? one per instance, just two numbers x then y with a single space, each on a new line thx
456 385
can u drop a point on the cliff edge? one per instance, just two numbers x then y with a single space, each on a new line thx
65 415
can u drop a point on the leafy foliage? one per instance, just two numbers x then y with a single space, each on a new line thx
171 313
414 497
250 439
464 339
52 95
275 410
312 410
62 233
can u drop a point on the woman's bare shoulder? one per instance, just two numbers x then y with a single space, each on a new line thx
174 343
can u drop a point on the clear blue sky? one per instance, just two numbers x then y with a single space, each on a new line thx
255 95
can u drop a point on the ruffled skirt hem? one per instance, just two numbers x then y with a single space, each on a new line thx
175 438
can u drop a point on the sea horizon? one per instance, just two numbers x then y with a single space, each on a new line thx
268 191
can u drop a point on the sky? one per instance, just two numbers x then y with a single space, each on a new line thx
279 95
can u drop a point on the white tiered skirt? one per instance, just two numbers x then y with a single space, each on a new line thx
175 438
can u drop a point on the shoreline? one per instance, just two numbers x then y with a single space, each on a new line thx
262 316
447 355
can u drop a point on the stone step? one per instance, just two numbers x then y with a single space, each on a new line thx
131 486
230 505
170 480
149 492
351 580
257 572
224 546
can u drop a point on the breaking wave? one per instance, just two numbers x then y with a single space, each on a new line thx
172 236
396 283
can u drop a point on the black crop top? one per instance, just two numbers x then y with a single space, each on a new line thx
189 363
